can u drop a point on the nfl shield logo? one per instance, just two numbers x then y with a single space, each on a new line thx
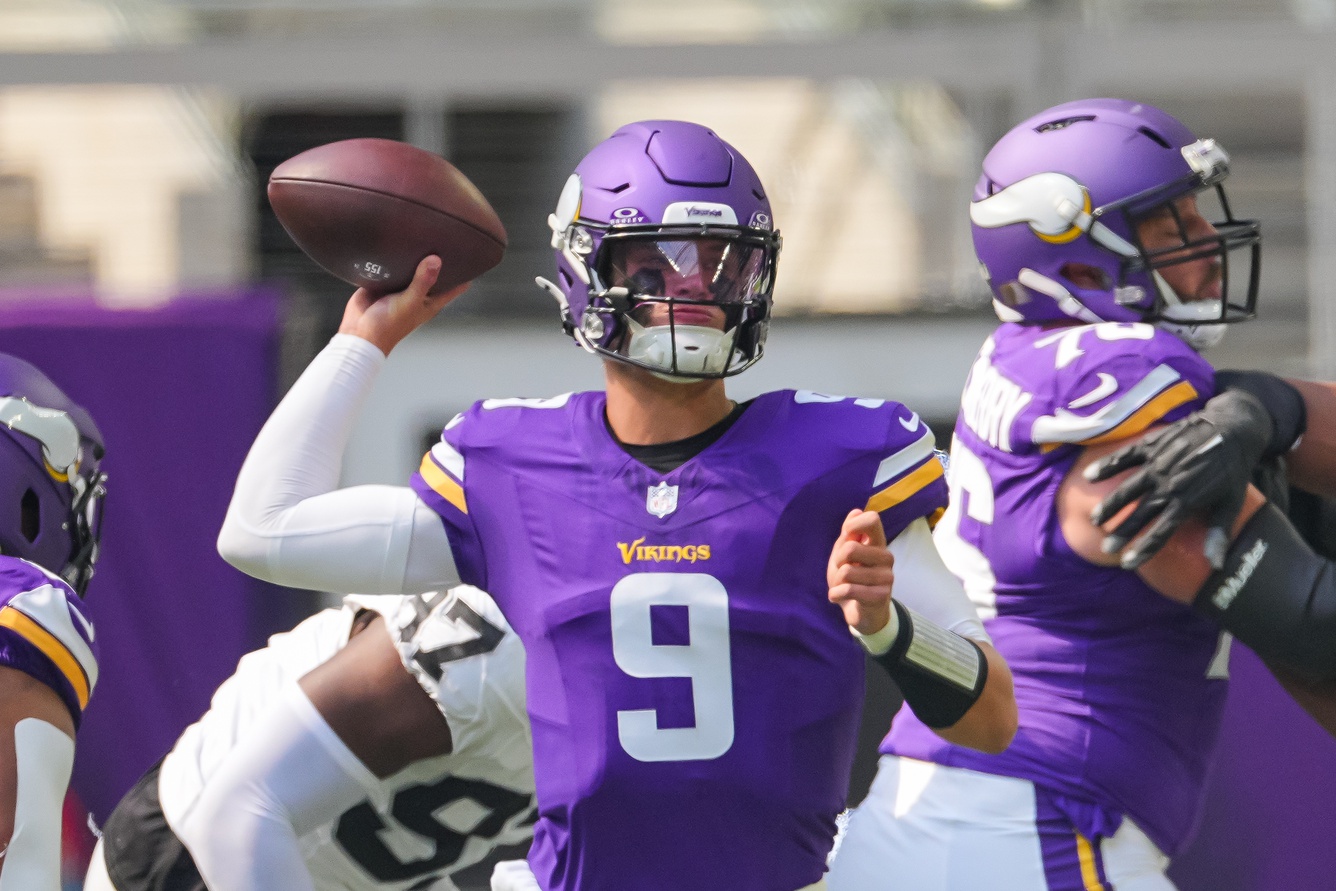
662 500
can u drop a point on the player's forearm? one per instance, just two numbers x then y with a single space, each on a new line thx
288 775
1276 596
1312 463
36 758
990 724
948 680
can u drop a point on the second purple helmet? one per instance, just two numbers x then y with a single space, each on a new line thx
666 252
51 484
1069 185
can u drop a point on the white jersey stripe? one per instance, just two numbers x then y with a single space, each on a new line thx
47 607
1066 427
908 457
449 458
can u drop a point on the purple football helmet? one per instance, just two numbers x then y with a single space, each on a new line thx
1070 185
666 252
51 484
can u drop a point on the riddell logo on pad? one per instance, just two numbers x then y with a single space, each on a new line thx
1225 594
639 551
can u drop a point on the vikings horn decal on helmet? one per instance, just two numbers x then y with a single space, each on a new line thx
51 485
666 252
1069 186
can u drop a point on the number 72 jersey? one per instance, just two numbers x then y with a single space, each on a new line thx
694 695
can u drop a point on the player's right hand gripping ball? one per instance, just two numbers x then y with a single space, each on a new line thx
369 210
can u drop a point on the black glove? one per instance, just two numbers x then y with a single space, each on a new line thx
1199 466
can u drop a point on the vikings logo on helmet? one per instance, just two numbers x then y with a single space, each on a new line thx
1069 186
654 266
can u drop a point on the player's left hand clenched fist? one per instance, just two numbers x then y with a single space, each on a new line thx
861 572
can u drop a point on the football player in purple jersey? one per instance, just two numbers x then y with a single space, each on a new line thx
1113 255
659 549
51 492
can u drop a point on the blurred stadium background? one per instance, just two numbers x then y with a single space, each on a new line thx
141 267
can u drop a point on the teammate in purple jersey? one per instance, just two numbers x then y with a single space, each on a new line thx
659 549
1091 223
51 492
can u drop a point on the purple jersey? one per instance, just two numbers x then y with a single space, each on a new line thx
44 633
694 695
1120 690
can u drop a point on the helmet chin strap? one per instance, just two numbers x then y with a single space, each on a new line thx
699 349
1194 322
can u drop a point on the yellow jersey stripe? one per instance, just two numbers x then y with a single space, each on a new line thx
1085 854
53 649
1155 410
442 483
897 492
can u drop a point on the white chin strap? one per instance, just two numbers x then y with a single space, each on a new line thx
700 350
1195 323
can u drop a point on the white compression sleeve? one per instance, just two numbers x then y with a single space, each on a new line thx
45 757
925 585
289 775
288 522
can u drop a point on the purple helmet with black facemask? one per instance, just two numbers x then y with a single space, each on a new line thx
1066 189
51 484
666 252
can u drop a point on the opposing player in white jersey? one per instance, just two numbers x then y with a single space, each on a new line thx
50 501
380 746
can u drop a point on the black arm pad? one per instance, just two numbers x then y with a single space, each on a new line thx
1277 596
940 673
1284 404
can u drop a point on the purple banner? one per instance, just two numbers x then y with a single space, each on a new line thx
179 394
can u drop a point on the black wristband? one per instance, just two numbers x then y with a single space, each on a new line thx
1276 596
1284 403
940 673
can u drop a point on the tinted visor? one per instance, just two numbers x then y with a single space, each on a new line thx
705 269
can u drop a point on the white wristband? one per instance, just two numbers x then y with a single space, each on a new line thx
879 642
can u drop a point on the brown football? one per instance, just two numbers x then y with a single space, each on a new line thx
369 210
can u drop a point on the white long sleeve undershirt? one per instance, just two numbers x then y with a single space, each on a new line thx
285 778
288 521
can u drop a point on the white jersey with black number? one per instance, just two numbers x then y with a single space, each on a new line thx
435 817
